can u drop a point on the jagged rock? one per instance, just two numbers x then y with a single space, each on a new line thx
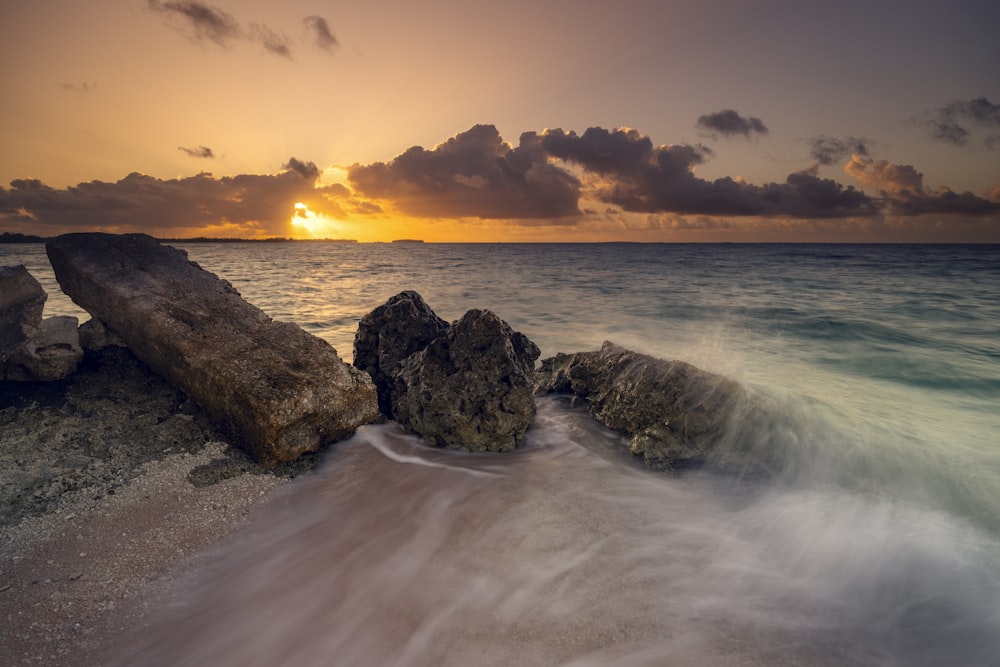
277 390
95 336
21 302
470 388
53 353
389 334
673 412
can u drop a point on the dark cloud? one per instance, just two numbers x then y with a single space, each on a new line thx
954 122
82 87
307 170
200 21
199 152
319 33
830 150
943 202
273 42
474 174
642 178
729 123
242 205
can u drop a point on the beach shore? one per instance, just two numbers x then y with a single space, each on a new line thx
112 485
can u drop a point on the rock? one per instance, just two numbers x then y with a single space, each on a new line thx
470 388
53 353
389 334
21 302
275 389
673 412
95 336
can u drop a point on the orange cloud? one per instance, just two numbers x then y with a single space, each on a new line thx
883 175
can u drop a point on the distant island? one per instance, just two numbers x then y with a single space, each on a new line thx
408 241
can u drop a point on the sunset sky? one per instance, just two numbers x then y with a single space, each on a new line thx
549 120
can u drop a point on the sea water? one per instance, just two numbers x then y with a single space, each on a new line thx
873 538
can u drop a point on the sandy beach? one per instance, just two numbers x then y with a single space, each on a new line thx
112 485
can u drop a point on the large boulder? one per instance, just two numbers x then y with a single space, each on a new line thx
21 302
673 413
470 388
52 353
403 325
277 390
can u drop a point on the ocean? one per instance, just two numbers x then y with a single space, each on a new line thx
872 539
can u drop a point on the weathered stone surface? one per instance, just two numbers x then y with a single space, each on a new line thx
389 334
53 353
673 412
95 336
275 389
21 302
471 388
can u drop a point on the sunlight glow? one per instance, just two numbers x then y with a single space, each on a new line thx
307 223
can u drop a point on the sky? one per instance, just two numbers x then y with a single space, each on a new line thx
548 121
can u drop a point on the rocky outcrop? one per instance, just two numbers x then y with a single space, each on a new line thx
275 389
21 302
470 388
95 336
673 412
403 325
53 353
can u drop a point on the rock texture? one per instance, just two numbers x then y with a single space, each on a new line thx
403 325
673 412
95 336
21 302
53 353
275 389
470 388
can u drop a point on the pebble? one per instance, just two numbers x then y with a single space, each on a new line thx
75 576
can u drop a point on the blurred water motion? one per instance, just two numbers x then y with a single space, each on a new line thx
567 553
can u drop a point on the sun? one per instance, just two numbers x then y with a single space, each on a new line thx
308 221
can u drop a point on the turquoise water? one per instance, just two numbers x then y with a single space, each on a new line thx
875 540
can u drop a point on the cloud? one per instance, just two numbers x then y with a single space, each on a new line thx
82 87
320 33
905 195
642 178
200 21
830 150
473 174
199 152
307 170
883 175
273 42
943 202
954 123
247 204
729 123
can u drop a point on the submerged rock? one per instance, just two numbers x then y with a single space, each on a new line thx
53 353
275 389
403 325
470 388
673 412
21 302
